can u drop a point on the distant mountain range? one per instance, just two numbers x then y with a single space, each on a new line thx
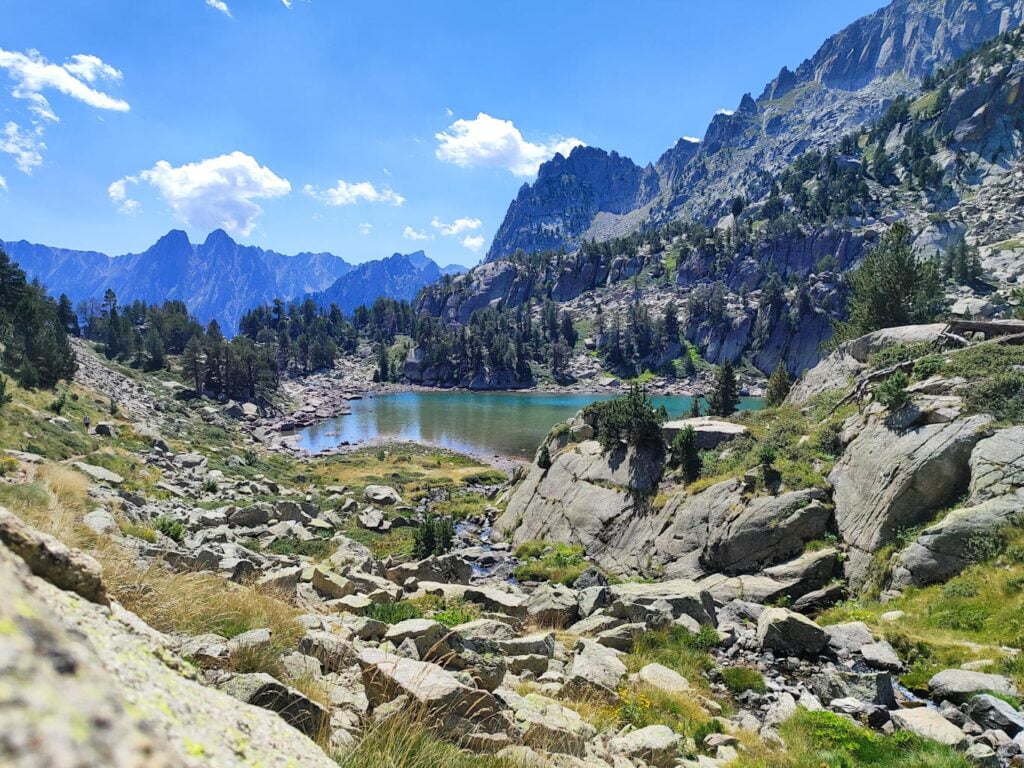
221 279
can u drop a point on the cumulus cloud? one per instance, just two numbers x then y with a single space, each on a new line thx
3 183
473 242
691 139
220 5
365 228
456 227
26 146
287 3
726 112
414 234
487 141
32 74
216 192
346 193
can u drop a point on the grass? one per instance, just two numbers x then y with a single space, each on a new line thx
970 617
827 740
317 548
444 611
678 649
192 603
550 561
408 742
741 679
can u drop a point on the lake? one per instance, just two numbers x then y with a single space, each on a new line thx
480 423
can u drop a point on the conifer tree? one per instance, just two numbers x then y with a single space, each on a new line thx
192 363
778 385
725 396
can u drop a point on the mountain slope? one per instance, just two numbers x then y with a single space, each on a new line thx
848 82
399 276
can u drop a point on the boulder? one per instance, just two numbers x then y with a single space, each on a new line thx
710 432
995 714
595 669
548 726
434 691
663 679
849 637
789 633
928 724
384 495
881 655
262 690
427 635
50 559
99 474
997 465
870 688
959 685
656 745
552 605
888 481
683 597
331 585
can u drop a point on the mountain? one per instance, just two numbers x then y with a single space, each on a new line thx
848 82
220 279
767 286
399 276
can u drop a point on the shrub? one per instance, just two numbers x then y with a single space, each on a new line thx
632 419
5 396
7 465
317 548
740 679
456 612
892 393
550 561
1001 395
544 457
170 528
433 537
392 613
210 485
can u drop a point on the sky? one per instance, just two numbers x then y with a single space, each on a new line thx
359 128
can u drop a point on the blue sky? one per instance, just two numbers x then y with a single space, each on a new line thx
351 127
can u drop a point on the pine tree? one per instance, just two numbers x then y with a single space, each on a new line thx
155 357
695 407
5 397
779 385
685 454
383 364
544 457
725 396
890 288
66 315
192 363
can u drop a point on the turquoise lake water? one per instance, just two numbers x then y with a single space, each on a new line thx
481 423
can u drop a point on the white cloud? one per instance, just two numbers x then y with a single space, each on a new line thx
456 227
345 193
691 139
220 5
473 242
448 111
216 192
412 234
365 228
3 183
287 3
33 74
726 112
26 146
490 142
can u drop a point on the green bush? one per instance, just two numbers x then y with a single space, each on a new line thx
550 561
740 679
170 528
685 454
433 537
317 548
1001 395
392 613
892 393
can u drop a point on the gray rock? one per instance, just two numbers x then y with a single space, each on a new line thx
429 636
552 605
881 655
789 633
873 688
382 494
99 474
928 724
548 726
959 685
887 481
262 690
850 636
52 560
595 669
995 714
656 745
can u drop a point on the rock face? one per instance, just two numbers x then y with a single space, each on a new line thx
114 693
568 193
889 480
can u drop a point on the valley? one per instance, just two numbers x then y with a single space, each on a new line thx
713 462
